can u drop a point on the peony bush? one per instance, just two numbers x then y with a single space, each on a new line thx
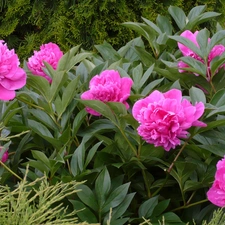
141 129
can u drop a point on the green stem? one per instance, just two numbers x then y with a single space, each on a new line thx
125 137
13 136
190 205
7 168
146 183
192 195
172 164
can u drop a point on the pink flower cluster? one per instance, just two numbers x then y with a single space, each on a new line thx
164 118
5 156
108 87
217 50
12 77
216 194
49 53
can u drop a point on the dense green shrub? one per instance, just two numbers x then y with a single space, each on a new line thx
26 24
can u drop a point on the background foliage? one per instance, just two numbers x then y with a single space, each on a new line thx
26 24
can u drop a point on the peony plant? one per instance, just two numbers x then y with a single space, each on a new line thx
150 151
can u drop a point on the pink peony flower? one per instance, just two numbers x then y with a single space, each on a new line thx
217 50
164 118
12 77
5 156
216 194
49 53
108 87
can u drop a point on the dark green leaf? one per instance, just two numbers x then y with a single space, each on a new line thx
87 197
197 95
146 209
102 186
100 107
116 197
83 212
108 52
196 11
178 15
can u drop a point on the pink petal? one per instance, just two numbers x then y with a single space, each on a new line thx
173 94
13 83
6 95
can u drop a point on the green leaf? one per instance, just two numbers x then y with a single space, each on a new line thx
38 165
212 125
39 128
40 84
164 24
216 38
44 118
151 86
184 170
116 197
146 209
216 63
87 197
77 160
42 131
118 108
146 75
91 153
108 52
196 11
217 149
137 75
146 58
83 212
138 27
63 62
203 40
68 95
123 206
195 65
58 81
197 95
171 217
76 59
188 43
178 15
152 25
102 186
161 206
100 107
218 99
201 19
78 121
41 157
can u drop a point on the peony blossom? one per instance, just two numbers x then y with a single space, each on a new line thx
217 50
49 53
216 194
165 117
5 156
108 87
12 77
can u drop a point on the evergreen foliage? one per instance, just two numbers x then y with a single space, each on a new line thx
26 24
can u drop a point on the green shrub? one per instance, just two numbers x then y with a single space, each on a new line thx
26 24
